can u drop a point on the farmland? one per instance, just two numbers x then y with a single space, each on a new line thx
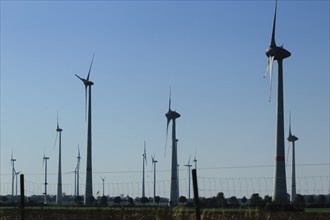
152 213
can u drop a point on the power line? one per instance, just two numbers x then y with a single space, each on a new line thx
168 170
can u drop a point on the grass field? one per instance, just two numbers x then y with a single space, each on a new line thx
148 213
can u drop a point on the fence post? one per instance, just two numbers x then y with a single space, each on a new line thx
196 197
22 203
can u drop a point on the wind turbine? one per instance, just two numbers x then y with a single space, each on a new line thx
59 175
12 162
89 182
293 139
77 173
103 178
44 161
195 161
278 53
189 167
154 162
16 174
172 116
144 161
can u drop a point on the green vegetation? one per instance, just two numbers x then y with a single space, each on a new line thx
158 213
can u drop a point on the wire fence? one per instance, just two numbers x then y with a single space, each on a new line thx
208 187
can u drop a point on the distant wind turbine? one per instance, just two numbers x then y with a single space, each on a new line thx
154 162
144 162
278 53
59 175
77 173
12 162
189 167
103 178
89 182
44 162
195 161
16 174
172 116
293 139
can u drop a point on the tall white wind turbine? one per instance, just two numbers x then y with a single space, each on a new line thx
172 116
59 198
144 162
44 163
77 170
154 162
292 138
12 163
189 168
278 53
89 182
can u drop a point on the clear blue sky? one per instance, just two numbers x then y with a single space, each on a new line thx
211 53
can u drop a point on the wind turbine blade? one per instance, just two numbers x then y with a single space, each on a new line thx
169 101
271 60
168 122
78 151
85 102
189 160
145 153
290 134
267 69
80 78
89 72
57 121
43 160
273 44
55 140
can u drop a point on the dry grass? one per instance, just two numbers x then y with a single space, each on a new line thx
69 213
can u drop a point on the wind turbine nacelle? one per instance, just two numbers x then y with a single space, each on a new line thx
88 83
292 138
279 53
172 115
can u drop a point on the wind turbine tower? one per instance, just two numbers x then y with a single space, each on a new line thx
89 182
77 173
172 116
189 167
278 53
293 139
103 178
154 162
144 162
195 161
16 174
45 162
59 177
12 161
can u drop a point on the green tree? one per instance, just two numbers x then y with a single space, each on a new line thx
104 201
299 201
233 201
221 199
322 201
244 200
144 200
157 199
183 199
255 200
78 200
131 201
311 200
267 199
117 200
